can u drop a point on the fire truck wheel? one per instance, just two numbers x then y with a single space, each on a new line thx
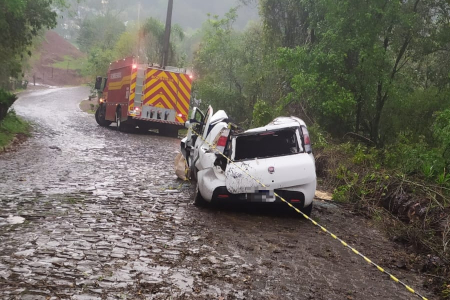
119 123
100 117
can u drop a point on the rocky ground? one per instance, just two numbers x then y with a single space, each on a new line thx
92 213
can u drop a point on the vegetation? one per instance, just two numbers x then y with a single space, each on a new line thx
21 22
70 63
371 79
10 126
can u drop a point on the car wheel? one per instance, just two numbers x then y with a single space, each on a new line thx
307 210
198 199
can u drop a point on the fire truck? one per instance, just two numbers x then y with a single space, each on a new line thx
144 96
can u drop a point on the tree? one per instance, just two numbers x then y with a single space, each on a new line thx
20 22
152 33
363 57
126 45
100 32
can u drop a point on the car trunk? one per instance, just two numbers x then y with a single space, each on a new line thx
275 158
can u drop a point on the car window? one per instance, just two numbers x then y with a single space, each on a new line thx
266 144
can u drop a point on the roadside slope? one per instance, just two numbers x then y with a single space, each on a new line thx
56 62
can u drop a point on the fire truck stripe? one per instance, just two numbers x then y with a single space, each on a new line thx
179 96
181 86
119 84
158 88
151 80
182 80
132 91
186 80
151 72
170 98
187 86
163 100
152 86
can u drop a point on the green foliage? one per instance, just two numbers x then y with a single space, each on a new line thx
263 113
100 32
126 45
153 32
6 100
238 65
98 62
441 130
360 58
10 126
70 63
318 136
20 22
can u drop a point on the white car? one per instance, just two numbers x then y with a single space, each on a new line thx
278 155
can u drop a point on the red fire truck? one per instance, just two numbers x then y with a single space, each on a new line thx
136 95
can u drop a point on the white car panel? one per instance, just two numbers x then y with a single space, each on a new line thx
290 170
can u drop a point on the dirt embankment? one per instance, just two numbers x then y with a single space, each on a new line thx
56 63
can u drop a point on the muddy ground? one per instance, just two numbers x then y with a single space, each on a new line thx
92 213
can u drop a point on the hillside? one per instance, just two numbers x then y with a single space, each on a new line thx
56 62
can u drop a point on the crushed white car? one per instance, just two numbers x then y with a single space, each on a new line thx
278 155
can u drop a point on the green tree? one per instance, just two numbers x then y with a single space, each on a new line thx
100 32
363 57
126 45
20 22
152 33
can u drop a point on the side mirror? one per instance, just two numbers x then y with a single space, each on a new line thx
98 82
187 124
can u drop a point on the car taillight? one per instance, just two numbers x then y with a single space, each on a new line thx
222 141
306 140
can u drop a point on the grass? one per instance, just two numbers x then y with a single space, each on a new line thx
10 126
70 63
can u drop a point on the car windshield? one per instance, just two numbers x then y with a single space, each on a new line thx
266 144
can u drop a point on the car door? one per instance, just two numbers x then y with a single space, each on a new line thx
200 146
196 121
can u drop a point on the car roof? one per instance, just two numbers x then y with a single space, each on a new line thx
279 123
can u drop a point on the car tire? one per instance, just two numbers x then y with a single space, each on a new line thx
307 210
198 198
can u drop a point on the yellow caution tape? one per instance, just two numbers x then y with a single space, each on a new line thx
213 147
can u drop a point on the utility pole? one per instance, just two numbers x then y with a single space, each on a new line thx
139 31
166 45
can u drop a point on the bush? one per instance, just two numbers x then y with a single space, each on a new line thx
10 126
6 100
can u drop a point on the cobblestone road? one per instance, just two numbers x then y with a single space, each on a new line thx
92 213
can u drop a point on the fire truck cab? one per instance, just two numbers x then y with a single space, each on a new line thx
145 96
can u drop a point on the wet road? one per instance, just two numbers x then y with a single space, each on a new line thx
104 217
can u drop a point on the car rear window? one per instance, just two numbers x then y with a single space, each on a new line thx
266 144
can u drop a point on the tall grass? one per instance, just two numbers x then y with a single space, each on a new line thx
10 126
